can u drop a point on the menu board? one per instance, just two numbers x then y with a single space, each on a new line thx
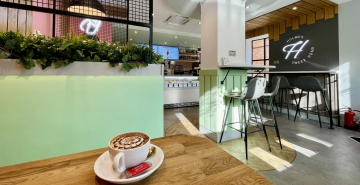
313 47
167 52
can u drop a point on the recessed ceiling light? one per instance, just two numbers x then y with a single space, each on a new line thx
295 8
199 22
185 42
165 42
135 31
153 14
193 45
247 7
130 39
175 37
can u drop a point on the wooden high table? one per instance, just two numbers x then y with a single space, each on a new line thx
188 160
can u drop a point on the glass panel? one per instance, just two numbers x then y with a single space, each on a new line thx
267 52
258 53
267 41
258 43
258 63
258 75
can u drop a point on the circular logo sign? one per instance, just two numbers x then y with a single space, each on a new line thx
298 49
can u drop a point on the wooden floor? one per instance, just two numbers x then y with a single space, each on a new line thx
260 158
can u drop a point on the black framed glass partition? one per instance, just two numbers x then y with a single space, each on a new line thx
97 13
260 53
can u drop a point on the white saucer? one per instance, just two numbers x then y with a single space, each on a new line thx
103 168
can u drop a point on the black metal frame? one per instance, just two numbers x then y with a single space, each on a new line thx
252 57
259 71
246 122
54 11
328 106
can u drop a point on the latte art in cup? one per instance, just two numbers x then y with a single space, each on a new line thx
126 142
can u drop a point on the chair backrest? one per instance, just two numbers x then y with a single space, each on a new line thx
254 89
308 83
284 83
275 86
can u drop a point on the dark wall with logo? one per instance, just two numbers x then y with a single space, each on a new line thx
317 47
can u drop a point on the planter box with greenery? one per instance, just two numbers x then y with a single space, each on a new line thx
62 51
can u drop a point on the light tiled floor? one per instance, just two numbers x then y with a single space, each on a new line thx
323 156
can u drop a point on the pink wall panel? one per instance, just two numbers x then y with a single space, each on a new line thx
43 22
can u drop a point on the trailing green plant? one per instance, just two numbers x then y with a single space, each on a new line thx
62 51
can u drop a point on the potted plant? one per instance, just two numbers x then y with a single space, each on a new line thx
62 51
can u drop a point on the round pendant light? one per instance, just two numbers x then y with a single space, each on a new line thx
89 7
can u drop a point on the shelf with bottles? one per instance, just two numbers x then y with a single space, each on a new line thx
181 81
185 60
189 57
188 51
189 54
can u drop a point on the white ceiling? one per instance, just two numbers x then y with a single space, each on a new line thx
163 38
191 8
162 11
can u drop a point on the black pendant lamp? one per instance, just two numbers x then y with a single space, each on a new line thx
89 7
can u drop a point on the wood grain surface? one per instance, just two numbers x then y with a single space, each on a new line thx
306 12
260 159
188 160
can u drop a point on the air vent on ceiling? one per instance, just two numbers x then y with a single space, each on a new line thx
186 21
176 20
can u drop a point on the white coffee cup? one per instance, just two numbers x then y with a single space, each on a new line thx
127 158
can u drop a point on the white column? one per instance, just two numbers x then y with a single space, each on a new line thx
222 30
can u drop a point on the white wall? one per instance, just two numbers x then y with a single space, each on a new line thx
222 30
209 34
349 40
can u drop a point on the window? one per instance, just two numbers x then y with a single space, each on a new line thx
260 53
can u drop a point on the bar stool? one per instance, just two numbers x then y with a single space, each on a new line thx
253 90
269 97
285 86
311 84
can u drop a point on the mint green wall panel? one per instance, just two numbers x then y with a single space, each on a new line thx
210 80
214 102
237 102
207 101
229 85
202 101
49 116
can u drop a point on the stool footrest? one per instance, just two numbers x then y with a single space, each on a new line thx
255 131
244 132
234 123
236 129
313 111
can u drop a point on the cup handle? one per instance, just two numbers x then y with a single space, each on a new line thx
119 163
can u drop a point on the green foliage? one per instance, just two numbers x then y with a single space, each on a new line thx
4 54
62 51
27 63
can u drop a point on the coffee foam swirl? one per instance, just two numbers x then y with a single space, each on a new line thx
126 141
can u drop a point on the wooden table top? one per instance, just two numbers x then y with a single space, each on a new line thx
188 160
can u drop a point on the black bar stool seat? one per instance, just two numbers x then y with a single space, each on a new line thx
311 84
253 90
285 87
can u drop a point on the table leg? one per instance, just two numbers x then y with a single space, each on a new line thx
331 119
337 98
